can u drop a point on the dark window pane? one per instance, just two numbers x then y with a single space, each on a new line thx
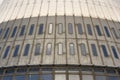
16 50
71 49
26 50
94 50
79 28
1 71
98 30
100 78
47 77
22 70
89 29
33 77
7 78
22 77
31 29
70 28
22 31
6 52
9 71
114 52
83 49
107 31
1 31
104 50
14 31
37 49
6 33
115 33
113 78
40 29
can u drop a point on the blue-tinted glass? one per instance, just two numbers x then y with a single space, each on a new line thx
6 33
107 31
47 77
89 29
22 70
104 50
6 52
40 29
37 49
114 52
22 31
14 31
70 28
26 50
9 71
8 78
98 30
22 77
94 51
31 29
16 50
1 31
79 28
113 78
33 77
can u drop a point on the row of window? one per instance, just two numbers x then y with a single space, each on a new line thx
81 47
60 30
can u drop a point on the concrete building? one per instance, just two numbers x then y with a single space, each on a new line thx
60 40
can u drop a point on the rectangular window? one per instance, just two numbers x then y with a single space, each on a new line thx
26 50
31 29
104 49
80 28
70 28
20 77
6 33
40 29
60 28
50 28
98 30
47 77
94 50
115 33
1 31
83 49
49 49
16 50
114 52
60 48
60 77
89 29
107 31
22 32
33 77
14 32
37 49
6 52
9 77
71 49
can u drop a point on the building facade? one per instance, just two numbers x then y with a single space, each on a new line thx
60 40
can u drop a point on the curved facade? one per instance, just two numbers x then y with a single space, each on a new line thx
60 39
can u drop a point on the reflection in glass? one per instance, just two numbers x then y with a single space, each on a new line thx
33 77
22 77
7 78
47 77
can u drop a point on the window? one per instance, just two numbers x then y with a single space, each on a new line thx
89 29
40 29
14 31
6 33
6 52
60 28
83 49
33 77
50 28
31 29
49 49
113 78
104 50
46 77
70 28
16 50
107 31
115 33
74 77
8 78
22 31
98 30
26 50
60 77
37 49
80 28
20 77
60 48
114 52
94 50
71 48
87 77
1 31
100 78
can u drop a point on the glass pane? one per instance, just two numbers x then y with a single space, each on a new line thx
16 50
14 31
6 52
22 70
115 33
22 77
9 71
98 30
107 31
6 33
60 48
113 78
70 28
94 50
89 29
50 28
33 77
114 52
40 29
37 49
60 28
8 78
100 78
74 77
47 77
49 49
1 31
83 49
31 29
87 77
104 50
60 77
71 48
22 31
79 28
26 50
